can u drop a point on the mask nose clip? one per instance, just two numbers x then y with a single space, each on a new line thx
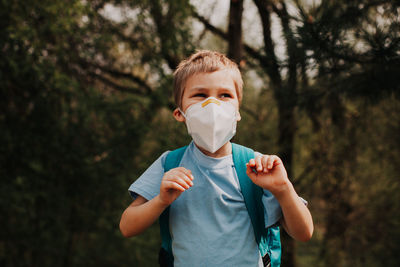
210 100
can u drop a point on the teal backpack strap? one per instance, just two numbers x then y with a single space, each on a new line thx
268 240
274 245
172 161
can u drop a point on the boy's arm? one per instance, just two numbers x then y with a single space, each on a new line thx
269 173
141 214
296 220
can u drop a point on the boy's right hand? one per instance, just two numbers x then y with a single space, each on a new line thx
174 182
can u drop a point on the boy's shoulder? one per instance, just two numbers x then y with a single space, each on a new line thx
174 157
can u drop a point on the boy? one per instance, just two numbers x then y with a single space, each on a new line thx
209 222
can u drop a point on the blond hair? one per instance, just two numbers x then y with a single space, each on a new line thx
204 61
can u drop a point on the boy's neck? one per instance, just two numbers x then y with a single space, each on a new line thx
225 150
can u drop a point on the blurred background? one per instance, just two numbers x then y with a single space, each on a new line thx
86 101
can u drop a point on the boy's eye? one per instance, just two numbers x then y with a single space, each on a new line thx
226 95
200 95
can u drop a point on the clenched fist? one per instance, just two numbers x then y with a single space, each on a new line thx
268 172
174 182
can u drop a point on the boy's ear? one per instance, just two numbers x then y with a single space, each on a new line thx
238 117
178 115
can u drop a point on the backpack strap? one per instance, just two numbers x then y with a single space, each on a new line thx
252 193
268 240
172 160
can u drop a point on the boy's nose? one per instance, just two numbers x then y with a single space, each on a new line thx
211 100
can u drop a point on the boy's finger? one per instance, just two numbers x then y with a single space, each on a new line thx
259 166
189 175
270 162
252 163
250 171
176 175
251 168
275 161
183 180
187 172
180 171
264 161
174 186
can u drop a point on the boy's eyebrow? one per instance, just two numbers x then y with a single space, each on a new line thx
198 88
203 88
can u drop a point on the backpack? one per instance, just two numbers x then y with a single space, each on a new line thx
268 239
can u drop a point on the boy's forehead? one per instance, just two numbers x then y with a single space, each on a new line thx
203 80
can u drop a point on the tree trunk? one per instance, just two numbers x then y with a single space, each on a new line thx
287 129
235 46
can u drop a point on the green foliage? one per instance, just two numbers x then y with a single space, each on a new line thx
67 153
357 43
68 147
352 104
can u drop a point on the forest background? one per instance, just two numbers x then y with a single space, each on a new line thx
86 101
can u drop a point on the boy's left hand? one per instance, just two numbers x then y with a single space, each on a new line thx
268 172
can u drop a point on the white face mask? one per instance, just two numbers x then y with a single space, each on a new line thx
211 123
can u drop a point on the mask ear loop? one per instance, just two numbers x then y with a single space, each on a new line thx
183 113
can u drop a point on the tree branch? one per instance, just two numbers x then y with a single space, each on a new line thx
129 76
210 27
116 86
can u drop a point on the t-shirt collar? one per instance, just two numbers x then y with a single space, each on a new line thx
210 162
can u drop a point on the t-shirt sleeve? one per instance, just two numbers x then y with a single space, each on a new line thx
148 184
272 209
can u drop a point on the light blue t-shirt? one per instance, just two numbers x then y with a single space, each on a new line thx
209 222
